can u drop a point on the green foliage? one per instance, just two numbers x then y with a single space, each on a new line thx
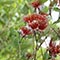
45 9
43 1
56 9
57 21
46 56
11 19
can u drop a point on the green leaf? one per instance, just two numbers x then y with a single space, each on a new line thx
6 2
43 1
24 9
0 26
57 21
45 9
45 56
56 9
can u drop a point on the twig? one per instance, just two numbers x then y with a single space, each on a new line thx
36 46
19 48
41 43
56 32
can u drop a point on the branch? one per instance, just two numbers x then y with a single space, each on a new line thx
56 32
19 48
41 43
34 50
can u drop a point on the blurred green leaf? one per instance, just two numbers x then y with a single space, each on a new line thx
45 9
57 21
45 56
43 1
56 9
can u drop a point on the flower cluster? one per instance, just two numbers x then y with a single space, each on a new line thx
25 31
53 48
32 17
35 22
36 4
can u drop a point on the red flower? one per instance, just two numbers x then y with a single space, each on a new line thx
35 4
58 48
42 26
33 25
43 23
34 16
52 51
53 48
28 19
41 19
25 31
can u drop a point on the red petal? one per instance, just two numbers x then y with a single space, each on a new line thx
33 25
